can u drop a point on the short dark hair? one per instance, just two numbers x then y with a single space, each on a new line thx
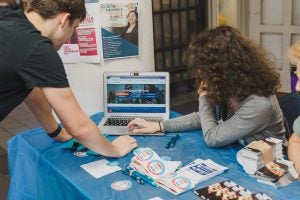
50 8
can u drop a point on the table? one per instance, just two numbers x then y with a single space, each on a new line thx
41 169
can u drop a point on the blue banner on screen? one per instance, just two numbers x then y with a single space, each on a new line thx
136 110
136 94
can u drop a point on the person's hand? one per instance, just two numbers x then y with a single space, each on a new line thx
142 126
63 136
124 144
202 89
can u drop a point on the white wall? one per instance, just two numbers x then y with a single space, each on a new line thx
86 79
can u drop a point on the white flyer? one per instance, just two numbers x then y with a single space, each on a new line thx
99 168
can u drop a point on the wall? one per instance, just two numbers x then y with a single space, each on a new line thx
86 79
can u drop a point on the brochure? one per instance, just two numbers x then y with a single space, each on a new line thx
164 174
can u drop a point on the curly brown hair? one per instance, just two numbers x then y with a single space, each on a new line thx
230 65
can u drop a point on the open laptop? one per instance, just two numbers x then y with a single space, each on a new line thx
133 95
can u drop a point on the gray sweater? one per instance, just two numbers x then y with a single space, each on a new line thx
256 118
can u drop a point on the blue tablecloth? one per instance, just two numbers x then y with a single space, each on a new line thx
41 169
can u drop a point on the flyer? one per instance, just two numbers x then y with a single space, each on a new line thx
119 28
83 47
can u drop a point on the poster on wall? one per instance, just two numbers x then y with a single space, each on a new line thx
83 47
119 28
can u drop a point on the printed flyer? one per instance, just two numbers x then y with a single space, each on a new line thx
83 46
119 28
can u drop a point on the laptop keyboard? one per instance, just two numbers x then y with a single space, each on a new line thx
124 121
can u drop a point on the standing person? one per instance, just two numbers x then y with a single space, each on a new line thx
32 71
131 30
236 87
294 140
7 3
14 4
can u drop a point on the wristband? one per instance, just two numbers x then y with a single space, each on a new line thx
159 126
160 129
55 133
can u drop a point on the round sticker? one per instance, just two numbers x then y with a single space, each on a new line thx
145 155
138 150
156 167
121 185
182 183
80 154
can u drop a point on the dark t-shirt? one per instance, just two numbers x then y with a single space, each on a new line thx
27 60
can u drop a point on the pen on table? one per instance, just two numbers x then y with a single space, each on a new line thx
175 138
172 142
136 177
146 179
126 170
143 177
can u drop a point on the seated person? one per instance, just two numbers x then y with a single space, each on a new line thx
294 145
236 86
294 140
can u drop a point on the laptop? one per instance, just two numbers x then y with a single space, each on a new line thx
133 95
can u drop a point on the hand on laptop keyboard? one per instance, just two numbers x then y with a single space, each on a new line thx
142 126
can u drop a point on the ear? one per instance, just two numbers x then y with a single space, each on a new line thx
64 20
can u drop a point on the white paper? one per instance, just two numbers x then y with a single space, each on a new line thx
99 168
83 47
156 198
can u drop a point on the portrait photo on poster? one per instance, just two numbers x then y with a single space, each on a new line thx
119 28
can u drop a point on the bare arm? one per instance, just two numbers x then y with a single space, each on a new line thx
294 150
41 109
81 127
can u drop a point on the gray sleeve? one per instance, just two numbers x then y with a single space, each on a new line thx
251 117
184 123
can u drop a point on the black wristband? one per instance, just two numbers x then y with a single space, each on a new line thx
55 133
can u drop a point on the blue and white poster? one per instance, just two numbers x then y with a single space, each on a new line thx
119 28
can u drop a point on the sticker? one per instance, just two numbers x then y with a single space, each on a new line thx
156 198
166 158
121 185
80 154
145 155
113 163
156 167
138 150
182 183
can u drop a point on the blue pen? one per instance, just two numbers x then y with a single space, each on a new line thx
172 142
133 175
143 177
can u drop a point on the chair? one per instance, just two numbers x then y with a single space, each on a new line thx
290 106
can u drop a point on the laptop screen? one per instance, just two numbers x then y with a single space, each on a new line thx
136 94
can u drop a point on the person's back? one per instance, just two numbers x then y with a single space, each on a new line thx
22 50
32 71
236 84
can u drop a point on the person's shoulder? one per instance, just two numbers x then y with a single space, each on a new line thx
257 102
20 29
260 99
